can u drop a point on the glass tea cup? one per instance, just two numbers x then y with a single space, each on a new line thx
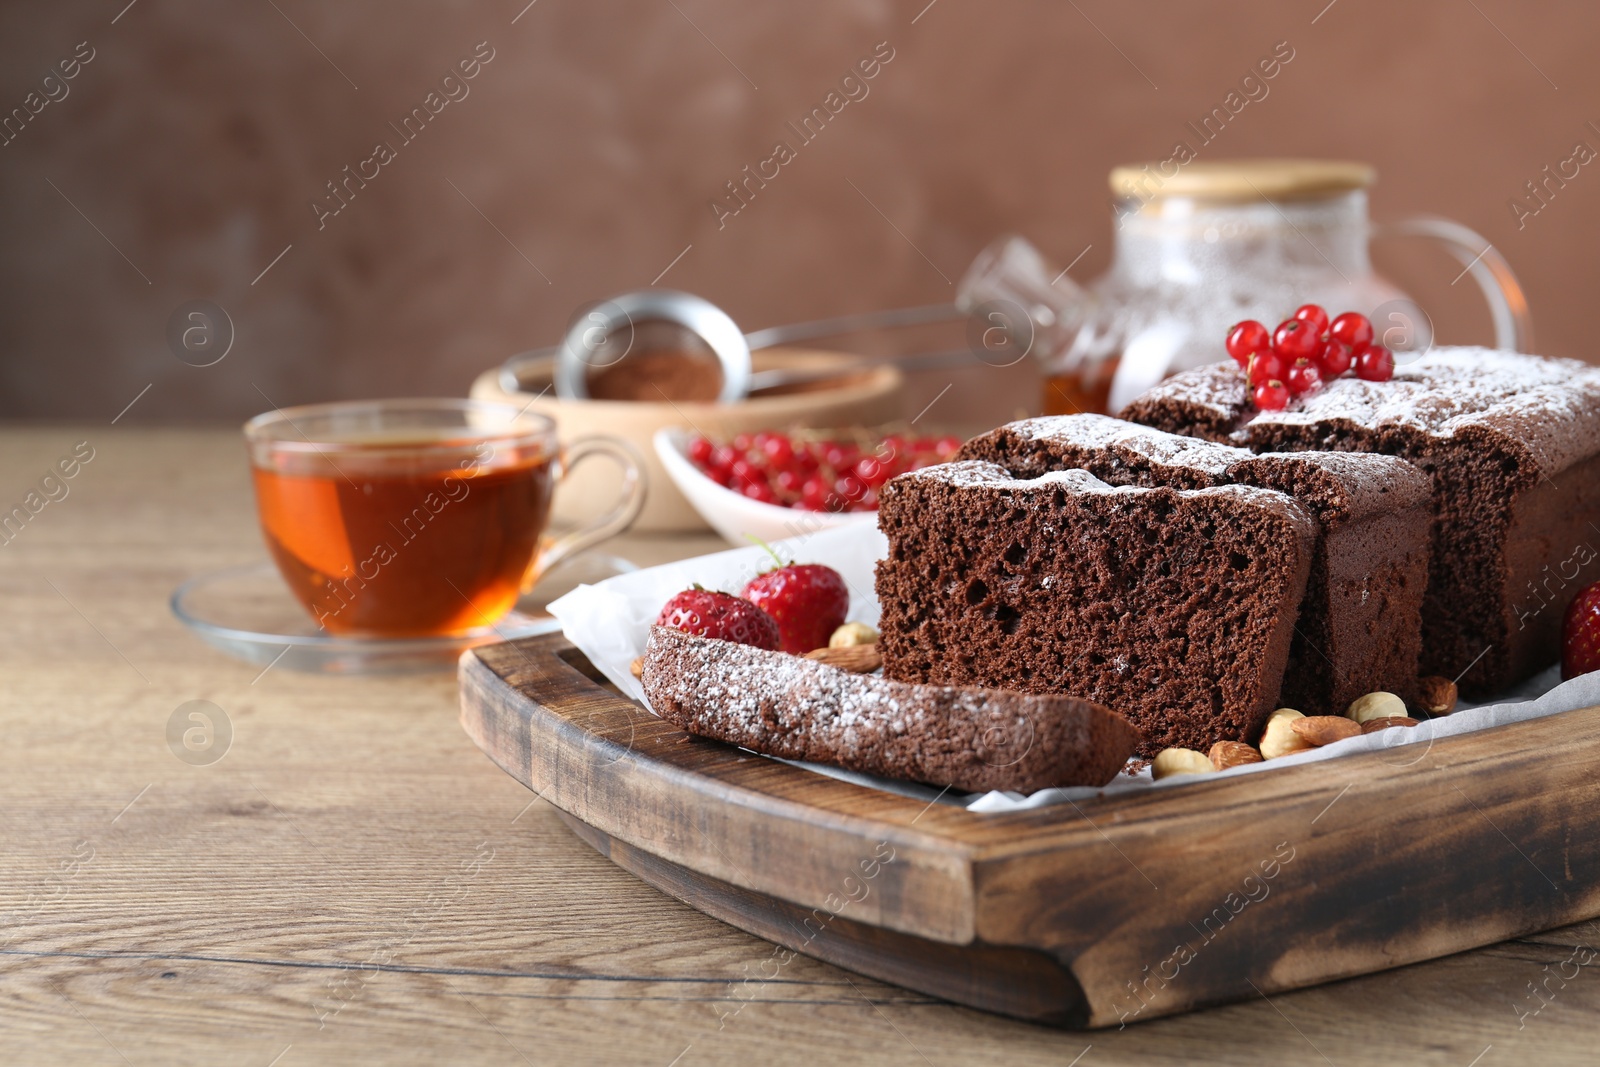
414 518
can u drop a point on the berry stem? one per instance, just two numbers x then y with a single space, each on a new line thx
776 559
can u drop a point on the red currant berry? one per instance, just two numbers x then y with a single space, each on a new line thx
838 455
1334 360
744 473
760 491
850 487
722 459
1352 328
778 448
813 494
789 481
1272 396
1303 377
1294 340
742 442
872 471
1265 366
947 446
700 451
1374 363
1246 339
1313 316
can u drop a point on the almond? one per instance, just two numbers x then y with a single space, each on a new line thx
857 659
636 668
1325 729
1435 695
1377 706
853 633
1225 754
1372 726
1279 739
1171 761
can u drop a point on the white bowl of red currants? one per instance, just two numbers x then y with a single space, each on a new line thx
771 485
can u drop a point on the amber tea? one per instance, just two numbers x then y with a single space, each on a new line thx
413 518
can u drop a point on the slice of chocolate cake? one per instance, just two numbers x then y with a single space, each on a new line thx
970 739
1360 626
1512 445
1360 621
1175 607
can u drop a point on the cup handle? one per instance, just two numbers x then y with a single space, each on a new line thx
1513 329
553 550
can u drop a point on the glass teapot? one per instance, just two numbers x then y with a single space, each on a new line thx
1201 249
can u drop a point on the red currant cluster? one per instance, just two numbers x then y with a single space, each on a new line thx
831 474
1305 351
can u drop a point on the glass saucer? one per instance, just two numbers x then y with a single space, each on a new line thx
248 613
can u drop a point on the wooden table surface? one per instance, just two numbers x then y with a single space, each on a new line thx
353 882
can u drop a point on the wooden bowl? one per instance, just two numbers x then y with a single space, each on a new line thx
869 396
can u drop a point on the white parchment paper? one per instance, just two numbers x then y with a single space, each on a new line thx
610 622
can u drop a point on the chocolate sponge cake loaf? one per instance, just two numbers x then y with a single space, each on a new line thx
1175 607
1512 446
1359 625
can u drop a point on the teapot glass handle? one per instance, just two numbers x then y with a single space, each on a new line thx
1513 329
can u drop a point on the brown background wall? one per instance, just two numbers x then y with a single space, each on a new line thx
594 139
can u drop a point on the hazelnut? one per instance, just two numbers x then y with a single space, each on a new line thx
1171 761
1377 706
851 634
636 668
1225 754
1279 739
1322 730
1435 695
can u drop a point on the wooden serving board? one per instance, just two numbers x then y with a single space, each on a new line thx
1084 915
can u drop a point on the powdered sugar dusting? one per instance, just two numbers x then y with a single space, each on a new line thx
1103 431
1438 393
1217 388
1354 467
976 473
1448 388
981 474
1036 492
732 687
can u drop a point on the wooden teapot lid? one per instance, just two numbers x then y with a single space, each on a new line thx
1240 180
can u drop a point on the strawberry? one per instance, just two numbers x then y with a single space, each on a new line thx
723 616
1580 634
807 600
